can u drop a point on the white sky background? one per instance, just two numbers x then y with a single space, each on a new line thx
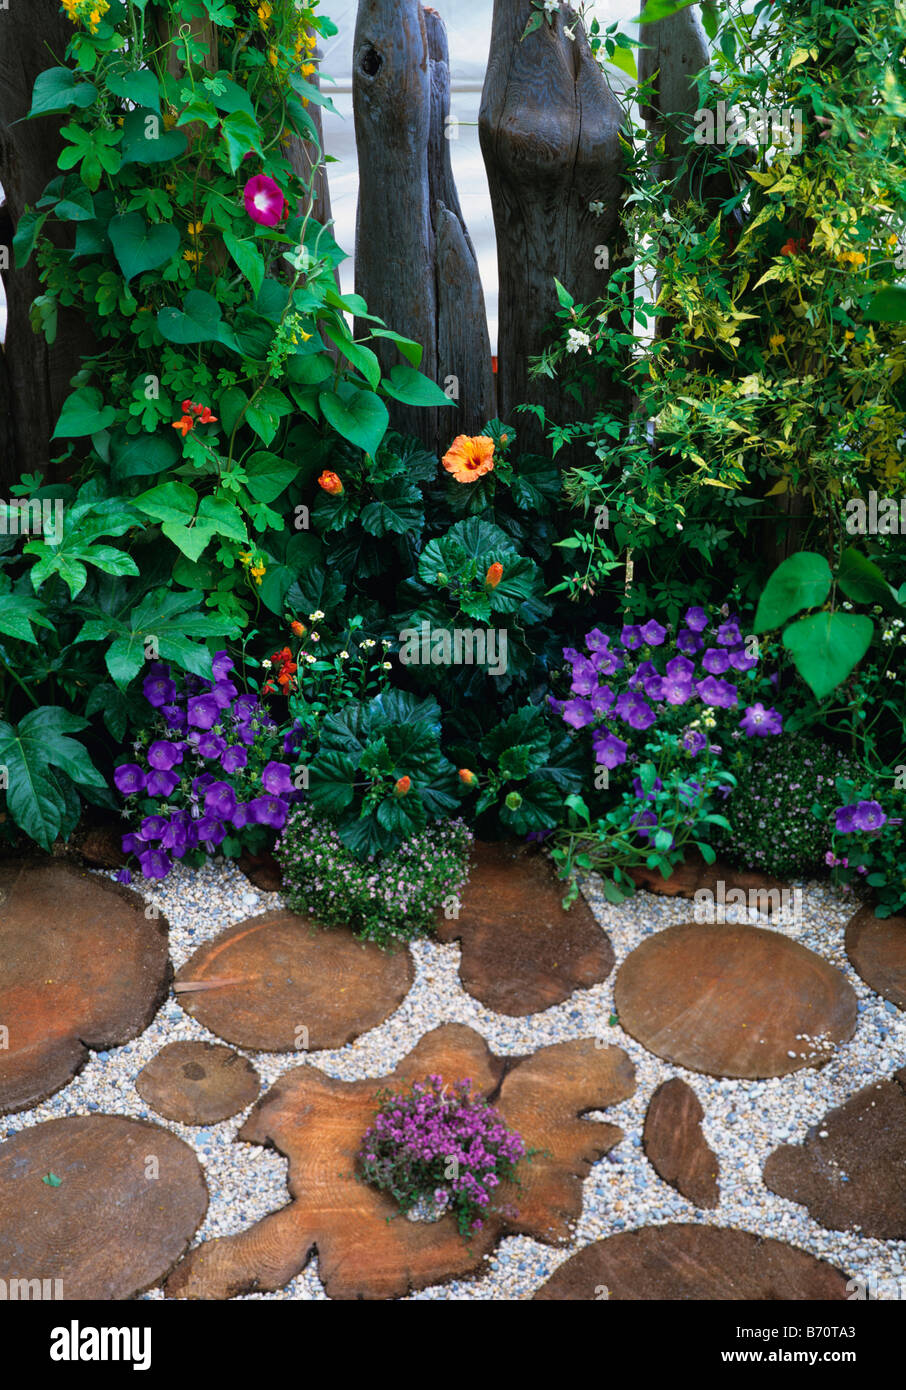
469 30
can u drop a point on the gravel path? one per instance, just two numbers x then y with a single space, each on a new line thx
744 1120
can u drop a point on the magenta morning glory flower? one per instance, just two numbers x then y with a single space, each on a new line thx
715 661
129 779
869 815
268 810
696 619
578 714
760 722
264 202
631 637
728 634
234 758
716 692
158 691
275 779
161 782
203 711
688 641
154 863
609 750
164 754
220 800
653 633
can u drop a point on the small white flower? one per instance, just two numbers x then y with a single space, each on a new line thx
309 658
387 665
367 644
344 656
551 6
266 665
570 34
385 643
316 616
596 208
577 340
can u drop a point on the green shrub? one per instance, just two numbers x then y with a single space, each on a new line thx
388 896
782 807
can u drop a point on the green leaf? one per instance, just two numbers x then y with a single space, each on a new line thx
662 9
27 231
861 580
147 141
198 321
411 350
83 413
827 647
888 305
267 476
802 581
223 518
17 613
414 388
139 246
137 455
563 294
331 782
171 501
309 92
52 1180
361 357
57 89
359 416
240 133
247 257
138 86
398 509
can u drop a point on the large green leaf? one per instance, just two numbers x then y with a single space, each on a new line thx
359 416
827 647
83 413
138 246
398 509
147 141
171 501
414 388
862 581
802 581
35 798
137 455
267 475
331 782
888 305
59 88
247 257
199 320
136 85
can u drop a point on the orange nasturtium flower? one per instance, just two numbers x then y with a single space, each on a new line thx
402 786
468 457
297 628
330 482
493 576
467 775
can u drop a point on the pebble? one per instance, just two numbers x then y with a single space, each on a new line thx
744 1120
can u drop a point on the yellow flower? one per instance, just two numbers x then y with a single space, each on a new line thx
264 13
258 572
273 57
196 228
72 9
848 336
191 256
308 69
169 120
776 341
855 258
245 556
170 186
892 239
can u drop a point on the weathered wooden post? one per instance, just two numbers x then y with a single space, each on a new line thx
391 89
675 50
463 342
549 127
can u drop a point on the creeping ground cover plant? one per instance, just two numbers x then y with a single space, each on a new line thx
440 1148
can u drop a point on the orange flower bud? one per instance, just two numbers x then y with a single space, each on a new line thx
493 576
466 775
297 628
330 482
402 786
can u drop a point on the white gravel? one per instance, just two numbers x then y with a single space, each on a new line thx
744 1120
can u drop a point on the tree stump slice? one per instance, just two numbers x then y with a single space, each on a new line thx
276 983
198 1083
733 1001
549 127
691 1263
82 967
131 1195
876 946
319 1122
521 952
694 874
675 1146
851 1171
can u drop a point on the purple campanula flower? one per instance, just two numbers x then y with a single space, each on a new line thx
174 717
240 816
201 784
641 792
869 815
845 820
151 828
677 689
606 663
276 779
131 844
211 745
740 659
715 661
210 830
631 637
688 641
578 714
681 668
203 712
123 876
760 722
154 863
175 838
653 633
654 687
689 792
224 693
637 713
244 708
602 700
642 820
609 750
219 800
597 641
696 619
165 754
234 758
585 677
245 734
158 690
693 741
129 779
161 783
222 665
717 692
728 634
268 810
292 739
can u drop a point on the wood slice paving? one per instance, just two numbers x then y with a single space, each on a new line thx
693 1263
851 1170
318 1122
276 983
876 946
675 1146
82 967
733 1001
198 1083
102 1203
694 874
521 952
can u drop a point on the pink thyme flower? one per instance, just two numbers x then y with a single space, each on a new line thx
264 202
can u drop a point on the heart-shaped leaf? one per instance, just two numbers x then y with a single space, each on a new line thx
198 321
83 413
827 647
802 581
359 416
139 246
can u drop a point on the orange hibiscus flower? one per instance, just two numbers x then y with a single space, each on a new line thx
468 457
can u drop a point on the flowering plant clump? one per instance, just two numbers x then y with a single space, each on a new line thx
867 843
663 706
387 897
782 808
210 780
438 1148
